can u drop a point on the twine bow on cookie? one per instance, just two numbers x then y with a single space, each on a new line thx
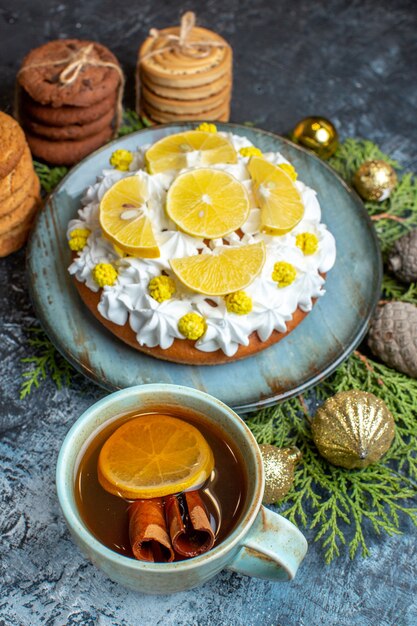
74 64
197 49
79 60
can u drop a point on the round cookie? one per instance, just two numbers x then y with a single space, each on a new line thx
12 144
14 239
65 115
31 186
41 73
182 350
183 107
67 152
175 68
219 113
22 213
187 93
16 178
73 131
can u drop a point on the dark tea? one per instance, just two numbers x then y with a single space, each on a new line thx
155 527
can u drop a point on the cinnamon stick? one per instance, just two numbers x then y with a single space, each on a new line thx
148 531
188 524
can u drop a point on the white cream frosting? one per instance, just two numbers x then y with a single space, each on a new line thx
156 324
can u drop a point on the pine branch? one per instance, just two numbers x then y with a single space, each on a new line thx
340 505
393 290
46 361
49 177
130 123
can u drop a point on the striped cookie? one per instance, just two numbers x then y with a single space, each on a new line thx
73 131
183 107
173 67
187 93
12 144
16 178
220 113
30 187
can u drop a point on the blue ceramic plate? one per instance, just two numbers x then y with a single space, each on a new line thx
310 353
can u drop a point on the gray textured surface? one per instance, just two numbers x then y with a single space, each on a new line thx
351 61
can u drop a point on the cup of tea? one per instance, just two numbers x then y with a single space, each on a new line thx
161 487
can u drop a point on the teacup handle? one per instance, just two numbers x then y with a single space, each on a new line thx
273 548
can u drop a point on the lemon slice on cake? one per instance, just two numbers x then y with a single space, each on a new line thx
170 153
207 203
227 270
124 220
278 198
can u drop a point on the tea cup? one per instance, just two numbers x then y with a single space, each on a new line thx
262 544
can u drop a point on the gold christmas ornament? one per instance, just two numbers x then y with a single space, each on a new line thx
375 180
317 134
279 465
353 429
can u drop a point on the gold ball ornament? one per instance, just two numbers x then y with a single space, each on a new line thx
375 180
317 134
279 465
353 429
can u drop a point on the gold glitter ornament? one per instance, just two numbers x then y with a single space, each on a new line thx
353 429
279 465
375 180
317 134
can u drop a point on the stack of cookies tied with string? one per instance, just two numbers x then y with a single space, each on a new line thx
69 99
184 73
19 187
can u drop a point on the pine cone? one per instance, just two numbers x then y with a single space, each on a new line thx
393 336
402 260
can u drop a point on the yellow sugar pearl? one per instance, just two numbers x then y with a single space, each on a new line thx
121 159
205 127
80 232
284 273
307 242
192 326
289 169
161 288
239 303
104 274
250 151
76 244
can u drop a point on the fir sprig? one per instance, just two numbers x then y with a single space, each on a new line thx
336 503
46 361
49 177
130 123
393 290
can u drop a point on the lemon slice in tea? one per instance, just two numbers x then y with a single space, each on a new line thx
153 456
